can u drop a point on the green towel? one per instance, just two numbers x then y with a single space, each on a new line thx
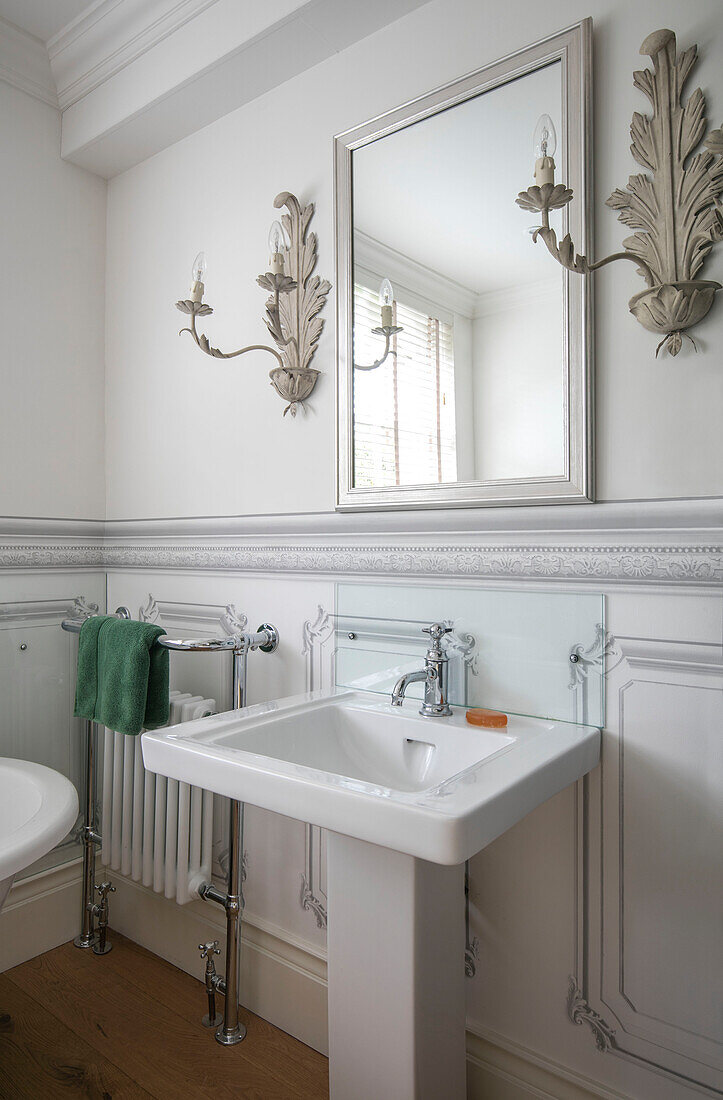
122 674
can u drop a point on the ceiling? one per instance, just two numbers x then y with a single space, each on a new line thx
43 18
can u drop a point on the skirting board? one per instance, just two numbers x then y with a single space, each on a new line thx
283 979
40 913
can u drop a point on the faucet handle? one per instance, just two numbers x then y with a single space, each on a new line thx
436 632
209 949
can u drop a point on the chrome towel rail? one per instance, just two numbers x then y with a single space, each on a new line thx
266 638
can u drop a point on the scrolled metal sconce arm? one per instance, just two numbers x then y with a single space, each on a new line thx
553 196
201 309
292 310
677 213
387 331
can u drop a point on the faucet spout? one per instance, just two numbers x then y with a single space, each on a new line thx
435 675
400 688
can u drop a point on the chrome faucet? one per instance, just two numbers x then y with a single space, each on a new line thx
435 675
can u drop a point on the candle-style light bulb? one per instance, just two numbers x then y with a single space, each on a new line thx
198 272
278 243
545 144
386 297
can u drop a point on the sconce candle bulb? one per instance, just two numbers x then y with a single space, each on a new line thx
278 242
386 297
198 272
545 145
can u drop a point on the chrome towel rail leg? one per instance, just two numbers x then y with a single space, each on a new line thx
87 936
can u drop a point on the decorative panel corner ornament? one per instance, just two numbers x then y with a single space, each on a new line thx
316 634
583 660
150 612
471 943
461 645
676 214
83 609
308 899
580 1012
232 622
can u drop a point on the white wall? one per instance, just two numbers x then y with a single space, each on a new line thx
519 405
52 365
657 420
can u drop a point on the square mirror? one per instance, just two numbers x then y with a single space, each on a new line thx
464 362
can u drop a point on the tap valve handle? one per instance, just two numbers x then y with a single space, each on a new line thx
436 632
209 949
104 889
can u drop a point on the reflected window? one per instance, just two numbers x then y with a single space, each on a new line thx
404 415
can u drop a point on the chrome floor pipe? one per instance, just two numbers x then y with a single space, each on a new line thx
232 1031
87 935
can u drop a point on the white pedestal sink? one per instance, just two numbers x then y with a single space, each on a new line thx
407 800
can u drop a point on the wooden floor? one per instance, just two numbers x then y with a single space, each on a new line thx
127 1025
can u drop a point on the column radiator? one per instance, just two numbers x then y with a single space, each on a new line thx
155 830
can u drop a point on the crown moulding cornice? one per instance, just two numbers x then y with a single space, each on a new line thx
24 64
108 37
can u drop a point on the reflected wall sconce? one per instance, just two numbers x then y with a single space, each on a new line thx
677 215
297 297
387 329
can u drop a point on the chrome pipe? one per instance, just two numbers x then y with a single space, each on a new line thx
86 938
232 1031
240 665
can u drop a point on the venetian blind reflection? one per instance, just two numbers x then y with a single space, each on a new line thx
404 411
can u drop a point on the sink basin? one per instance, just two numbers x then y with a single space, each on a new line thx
406 801
438 789
37 808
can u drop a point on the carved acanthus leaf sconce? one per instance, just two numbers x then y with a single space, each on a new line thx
677 213
292 311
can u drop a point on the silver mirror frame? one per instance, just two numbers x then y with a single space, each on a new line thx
573 49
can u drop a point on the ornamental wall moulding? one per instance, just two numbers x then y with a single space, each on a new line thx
702 565
676 213
692 564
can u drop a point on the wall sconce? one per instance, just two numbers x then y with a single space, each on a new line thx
292 311
677 215
387 329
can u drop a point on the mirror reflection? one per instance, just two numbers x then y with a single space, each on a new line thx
459 346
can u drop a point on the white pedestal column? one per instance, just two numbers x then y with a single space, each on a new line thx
396 975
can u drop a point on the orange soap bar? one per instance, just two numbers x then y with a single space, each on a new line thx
493 719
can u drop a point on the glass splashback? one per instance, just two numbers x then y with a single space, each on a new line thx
521 651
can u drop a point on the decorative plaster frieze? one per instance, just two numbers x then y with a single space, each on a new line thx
632 564
46 555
